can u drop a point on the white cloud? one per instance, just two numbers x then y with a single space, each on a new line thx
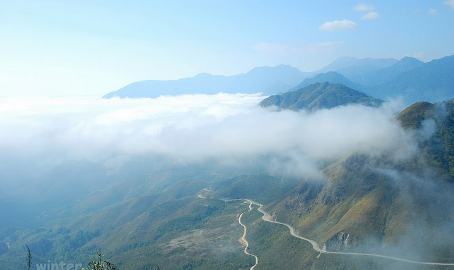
337 25
194 128
433 11
364 7
371 16
449 3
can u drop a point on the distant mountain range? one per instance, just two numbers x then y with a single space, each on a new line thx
266 80
431 82
352 63
320 96
370 75
269 80
409 78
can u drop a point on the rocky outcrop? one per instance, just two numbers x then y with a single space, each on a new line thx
341 241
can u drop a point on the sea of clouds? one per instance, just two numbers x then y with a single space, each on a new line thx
194 128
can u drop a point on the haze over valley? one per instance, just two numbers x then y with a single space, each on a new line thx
297 136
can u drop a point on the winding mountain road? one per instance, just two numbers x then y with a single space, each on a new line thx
267 217
243 240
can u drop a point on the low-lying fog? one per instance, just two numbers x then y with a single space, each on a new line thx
42 132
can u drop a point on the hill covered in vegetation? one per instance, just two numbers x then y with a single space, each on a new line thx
319 96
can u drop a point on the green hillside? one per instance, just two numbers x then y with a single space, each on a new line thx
384 205
436 121
319 96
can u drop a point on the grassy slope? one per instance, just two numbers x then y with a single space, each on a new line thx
397 208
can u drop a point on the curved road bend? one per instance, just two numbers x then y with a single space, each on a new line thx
266 217
243 240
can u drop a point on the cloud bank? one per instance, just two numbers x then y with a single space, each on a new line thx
371 16
449 3
371 13
194 128
337 25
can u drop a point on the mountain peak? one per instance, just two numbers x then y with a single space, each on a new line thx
319 96
409 61
203 75
412 117
330 77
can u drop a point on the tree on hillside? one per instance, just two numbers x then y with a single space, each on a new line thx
29 259
100 264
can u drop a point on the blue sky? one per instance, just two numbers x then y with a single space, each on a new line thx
63 48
